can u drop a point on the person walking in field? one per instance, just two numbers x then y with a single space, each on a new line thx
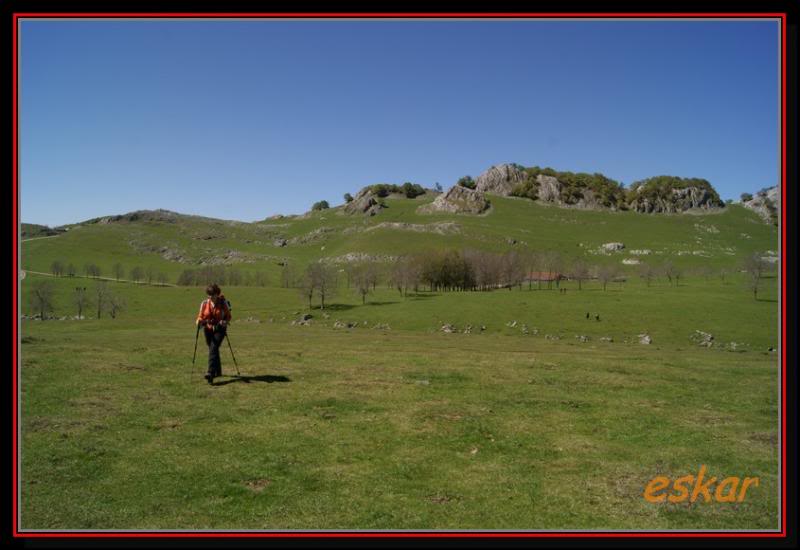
214 317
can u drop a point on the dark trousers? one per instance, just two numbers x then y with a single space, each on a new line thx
214 340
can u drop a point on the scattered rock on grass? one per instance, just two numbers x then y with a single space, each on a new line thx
704 339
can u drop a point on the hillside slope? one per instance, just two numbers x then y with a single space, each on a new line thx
174 242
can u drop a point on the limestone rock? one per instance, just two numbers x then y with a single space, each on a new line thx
365 202
500 179
766 203
459 200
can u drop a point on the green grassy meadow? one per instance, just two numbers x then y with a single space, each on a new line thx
403 427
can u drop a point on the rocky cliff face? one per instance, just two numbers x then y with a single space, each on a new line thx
365 202
677 200
766 203
500 179
550 191
459 200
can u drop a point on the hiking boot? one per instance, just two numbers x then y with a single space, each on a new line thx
209 377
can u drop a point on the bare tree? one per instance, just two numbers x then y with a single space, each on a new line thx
552 262
150 273
532 263
235 277
513 267
753 266
287 275
162 278
373 273
71 271
307 286
137 273
647 272
360 277
261 279
81 299
42 295
580 271
118 271
606 274
114 304
723 273
101 293
322 278
669 270
57 268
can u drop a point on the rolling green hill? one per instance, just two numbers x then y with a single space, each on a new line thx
172 242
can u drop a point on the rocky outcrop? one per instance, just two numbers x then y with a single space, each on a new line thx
442 228
675 201
500 179
766 203
138 216
365 202
549 189
458 200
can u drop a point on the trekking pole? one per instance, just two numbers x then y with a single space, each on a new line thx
232 355
196 336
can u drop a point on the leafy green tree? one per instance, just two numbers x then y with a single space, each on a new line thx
348 197
746 197
321 205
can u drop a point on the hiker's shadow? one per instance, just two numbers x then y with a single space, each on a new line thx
269 378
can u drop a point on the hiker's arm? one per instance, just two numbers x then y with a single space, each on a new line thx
200 316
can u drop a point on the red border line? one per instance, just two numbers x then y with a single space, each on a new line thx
379 15
783 272
399 14
648 534
15 264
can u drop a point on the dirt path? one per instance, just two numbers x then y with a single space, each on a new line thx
37 238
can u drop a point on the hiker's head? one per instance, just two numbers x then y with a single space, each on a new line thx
213 290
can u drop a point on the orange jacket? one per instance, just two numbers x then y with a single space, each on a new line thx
211 315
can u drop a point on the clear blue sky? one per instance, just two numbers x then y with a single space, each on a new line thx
245 119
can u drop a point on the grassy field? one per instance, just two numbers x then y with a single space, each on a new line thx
405 428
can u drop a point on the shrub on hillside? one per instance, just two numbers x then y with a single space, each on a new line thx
467 182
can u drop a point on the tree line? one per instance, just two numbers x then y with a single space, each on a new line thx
222 275
475 270
98 299
137 274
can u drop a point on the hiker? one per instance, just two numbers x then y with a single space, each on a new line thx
587 314
214 316
597 317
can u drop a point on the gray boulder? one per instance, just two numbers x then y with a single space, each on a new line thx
549 189
458 200
766 203
678 200
612 247
500 179
365 202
